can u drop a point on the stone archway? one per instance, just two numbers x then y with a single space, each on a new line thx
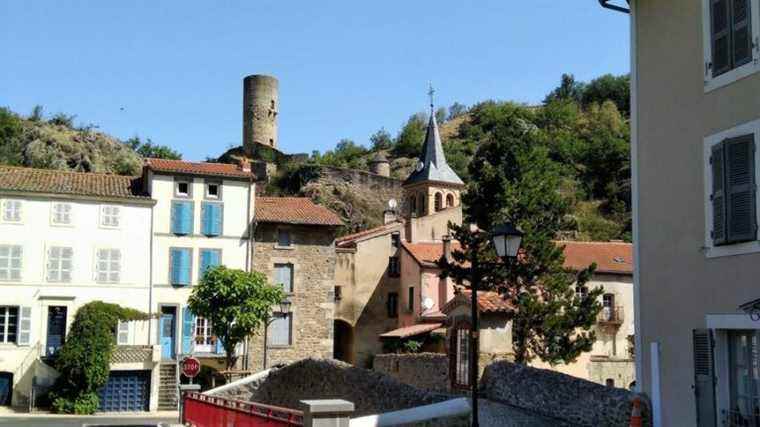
343 341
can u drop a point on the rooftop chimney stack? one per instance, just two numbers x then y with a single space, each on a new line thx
261 105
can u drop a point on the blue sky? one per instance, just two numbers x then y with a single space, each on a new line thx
346 68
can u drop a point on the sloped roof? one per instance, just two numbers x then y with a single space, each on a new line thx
434 165
71 183
197 168
610 257
428 253
294 210
488 302
410 331
350 240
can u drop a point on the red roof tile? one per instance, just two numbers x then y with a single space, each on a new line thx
197 168
410 331
350 239
71 183
610 257
427 253
488 302
294 210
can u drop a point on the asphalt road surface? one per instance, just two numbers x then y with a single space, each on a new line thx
96 421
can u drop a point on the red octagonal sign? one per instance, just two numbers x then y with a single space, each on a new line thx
191 367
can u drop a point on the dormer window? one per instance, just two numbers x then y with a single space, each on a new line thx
182 188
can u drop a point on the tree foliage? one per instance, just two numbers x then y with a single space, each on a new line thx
347 154
410 138
513 179
147 149
84 359
237 303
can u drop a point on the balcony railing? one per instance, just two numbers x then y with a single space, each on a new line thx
610 316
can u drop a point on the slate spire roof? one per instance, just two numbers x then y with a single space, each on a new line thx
433 162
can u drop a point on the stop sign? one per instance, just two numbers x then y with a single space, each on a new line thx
190 367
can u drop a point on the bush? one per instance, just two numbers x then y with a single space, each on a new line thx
85 357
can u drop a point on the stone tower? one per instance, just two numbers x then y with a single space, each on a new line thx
433 186
379 165
260 107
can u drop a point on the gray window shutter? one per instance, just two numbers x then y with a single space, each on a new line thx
740 188
741 41
718 196
704 377
720 33
25 326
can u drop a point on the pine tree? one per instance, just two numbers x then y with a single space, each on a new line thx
513 179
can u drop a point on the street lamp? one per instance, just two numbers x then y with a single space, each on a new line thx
284 310
506 239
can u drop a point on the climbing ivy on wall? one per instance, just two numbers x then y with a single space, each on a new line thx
84 360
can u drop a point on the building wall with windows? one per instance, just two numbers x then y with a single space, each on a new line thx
688 96
199 221
48 270
301 258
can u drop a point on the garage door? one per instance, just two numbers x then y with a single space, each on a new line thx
126 391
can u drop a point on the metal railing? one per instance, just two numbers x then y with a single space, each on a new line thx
201 410
738 419
611 315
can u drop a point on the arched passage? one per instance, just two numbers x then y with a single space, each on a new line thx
343 341
438 201
449 200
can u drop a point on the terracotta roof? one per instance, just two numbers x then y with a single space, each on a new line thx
71 183
610 257
197 168
428 253
350 239
488 302
294 210
410 331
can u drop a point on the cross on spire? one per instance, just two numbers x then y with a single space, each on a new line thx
431 93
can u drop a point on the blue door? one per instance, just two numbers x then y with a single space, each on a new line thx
125 391
168 329
6 388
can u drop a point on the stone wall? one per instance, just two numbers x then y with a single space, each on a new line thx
560 396
313 299
621 371
429 371
371 392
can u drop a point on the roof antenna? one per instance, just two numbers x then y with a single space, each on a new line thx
431 92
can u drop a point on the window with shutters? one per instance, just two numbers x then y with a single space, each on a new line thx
209 258
730 40
180 266
284 238
59 264
110 216
122 333
283 276
8 324
731 191
61 214
11 211
204 335
108 266
392 305
211 219
182 218
744 378
10 262
394 268
280 330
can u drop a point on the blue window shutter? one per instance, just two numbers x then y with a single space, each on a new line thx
214 258
219 347
187 217
217 220
185 277
176 218
188 326
205 261
205 229
182 217
212 219
176 266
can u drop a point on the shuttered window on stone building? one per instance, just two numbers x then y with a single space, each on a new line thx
730 35
733 198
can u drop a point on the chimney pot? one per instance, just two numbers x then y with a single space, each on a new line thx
447 247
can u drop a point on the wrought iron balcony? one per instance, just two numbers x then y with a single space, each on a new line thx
610 316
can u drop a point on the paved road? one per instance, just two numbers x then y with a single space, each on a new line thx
48 421
493 414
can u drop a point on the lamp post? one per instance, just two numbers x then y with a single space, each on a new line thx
506 239
284 310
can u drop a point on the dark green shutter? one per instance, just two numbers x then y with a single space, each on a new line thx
740 188
718 197
720 32
741 40
704 377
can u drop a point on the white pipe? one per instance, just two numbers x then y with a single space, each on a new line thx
249 379
449 408
654 350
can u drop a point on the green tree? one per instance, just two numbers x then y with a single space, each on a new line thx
10 138
456 110
37 114
513 179
346 154
237 303
608 87
441 114
63 119
381 140
84 359
568 89
147 149
410 138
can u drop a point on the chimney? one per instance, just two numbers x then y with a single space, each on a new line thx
447 247
245 164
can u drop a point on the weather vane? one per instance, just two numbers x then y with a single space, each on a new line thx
431 92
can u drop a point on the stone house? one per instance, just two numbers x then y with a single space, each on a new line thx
294 246
695 127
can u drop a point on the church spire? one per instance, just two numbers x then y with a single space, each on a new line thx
433 166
